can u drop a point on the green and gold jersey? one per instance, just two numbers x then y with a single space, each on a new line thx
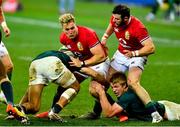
134 107
62 56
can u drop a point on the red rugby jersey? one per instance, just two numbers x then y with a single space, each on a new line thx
81 45
130 36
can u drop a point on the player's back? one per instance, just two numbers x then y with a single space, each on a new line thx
61 55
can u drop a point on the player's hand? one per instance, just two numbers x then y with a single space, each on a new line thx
99 89
6 31
128 53
75 62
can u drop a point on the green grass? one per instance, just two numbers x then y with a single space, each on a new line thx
160 78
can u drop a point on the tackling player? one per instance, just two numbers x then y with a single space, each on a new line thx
129 103
135 45
84 43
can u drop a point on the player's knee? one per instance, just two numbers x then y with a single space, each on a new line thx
133 83
92 91
9 68
3 78
69 94
36 109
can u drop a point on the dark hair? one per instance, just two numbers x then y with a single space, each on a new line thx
118 76
122 10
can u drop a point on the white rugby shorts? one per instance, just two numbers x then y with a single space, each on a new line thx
122 63
50 69
102 68
3 50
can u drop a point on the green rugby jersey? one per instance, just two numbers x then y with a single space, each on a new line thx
62 56
134 107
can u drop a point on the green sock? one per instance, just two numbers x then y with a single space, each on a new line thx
150 107
57 108
7 89
9 75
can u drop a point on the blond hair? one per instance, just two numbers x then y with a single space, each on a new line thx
66 18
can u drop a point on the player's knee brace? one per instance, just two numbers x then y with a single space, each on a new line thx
69 94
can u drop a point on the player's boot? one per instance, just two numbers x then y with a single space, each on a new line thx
55 117
19 115
156 117
123 118
42 115
90 116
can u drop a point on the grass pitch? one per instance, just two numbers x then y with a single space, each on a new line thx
36 29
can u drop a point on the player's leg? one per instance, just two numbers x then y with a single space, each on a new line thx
172 110
99 74
6 86
97 109
80 78
68 81
6 60
32 105
7 89
134 76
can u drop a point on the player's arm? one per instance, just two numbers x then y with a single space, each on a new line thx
98 57
107 34
147 49
3 23
95 75
108 109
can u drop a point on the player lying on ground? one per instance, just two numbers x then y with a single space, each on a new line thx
128 102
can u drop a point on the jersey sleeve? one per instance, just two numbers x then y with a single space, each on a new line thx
142 33
92 39
62 39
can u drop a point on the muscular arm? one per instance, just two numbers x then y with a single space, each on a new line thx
148 48
95 75
3 23
1 15
98 55
107 34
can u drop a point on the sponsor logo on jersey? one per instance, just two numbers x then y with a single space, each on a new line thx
116 30
79 46
127 35
69 46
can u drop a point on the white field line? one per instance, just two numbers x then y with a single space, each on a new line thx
168 63
51 24
33 22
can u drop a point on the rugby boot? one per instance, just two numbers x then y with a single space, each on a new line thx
42 115
156 117
90 116
19 115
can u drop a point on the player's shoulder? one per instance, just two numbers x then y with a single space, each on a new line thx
136 22
85 29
